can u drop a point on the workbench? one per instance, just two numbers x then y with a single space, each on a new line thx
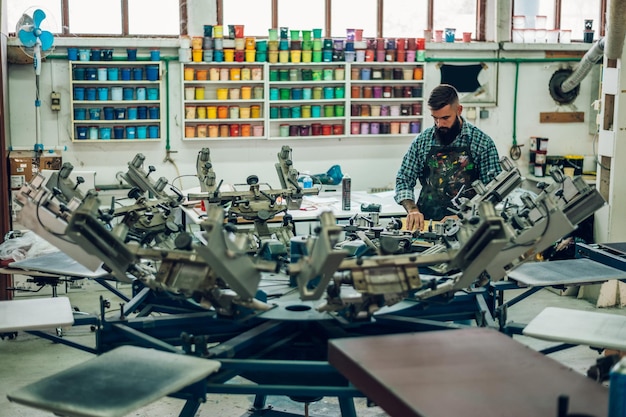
468 372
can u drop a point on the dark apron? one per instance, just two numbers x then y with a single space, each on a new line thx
448 173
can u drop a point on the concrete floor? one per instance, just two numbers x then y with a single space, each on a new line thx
27 358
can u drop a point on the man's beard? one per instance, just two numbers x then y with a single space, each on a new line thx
446 135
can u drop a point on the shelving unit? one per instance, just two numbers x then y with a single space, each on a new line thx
302 100
116 100
223 101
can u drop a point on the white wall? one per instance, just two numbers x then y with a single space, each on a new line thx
370 162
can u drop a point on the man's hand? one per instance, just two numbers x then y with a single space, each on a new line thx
415 220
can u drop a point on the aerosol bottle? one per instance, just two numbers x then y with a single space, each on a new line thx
346 185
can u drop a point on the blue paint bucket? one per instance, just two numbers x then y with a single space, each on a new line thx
153 112
142 132
91 73
131 54
296 112
93 132
138 73
131 132
141 93
103 93
117 93
72 54
153 131
296 94
79 93
83 54
153 93
329 93
94 114
109 114
155 55
131 113
80 114
218 56
120 113
81 132
273 112
118 132
128 93
96 54
105 133
78 73
91 93
152 72
142 112
126 74
113 73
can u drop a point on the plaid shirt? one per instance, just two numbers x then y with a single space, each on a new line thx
482 150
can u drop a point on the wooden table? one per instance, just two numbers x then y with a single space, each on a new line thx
466 372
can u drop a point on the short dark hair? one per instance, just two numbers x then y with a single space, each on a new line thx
442 95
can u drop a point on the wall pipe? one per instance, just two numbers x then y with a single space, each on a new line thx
592 56
616 29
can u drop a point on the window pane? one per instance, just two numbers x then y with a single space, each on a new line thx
52 8
95 17
533 8
146 19
301 15
353 14
457 14
575 12
404 18
255 15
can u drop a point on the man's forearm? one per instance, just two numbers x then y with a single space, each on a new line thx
409 205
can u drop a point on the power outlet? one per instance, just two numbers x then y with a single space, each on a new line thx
55 101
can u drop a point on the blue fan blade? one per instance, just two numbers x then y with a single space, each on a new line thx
38 16
46 39
27 37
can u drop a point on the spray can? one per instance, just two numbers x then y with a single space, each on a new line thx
617 389
346 185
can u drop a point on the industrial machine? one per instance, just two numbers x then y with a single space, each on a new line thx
360 278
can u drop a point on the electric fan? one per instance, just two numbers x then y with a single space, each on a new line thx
34 42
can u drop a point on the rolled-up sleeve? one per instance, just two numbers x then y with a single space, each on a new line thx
407 175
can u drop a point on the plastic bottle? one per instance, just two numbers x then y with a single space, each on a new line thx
307 182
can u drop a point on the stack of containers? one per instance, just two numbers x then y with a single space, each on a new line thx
272 46
207 44
295 46
283 45
218 43
307 46
317 45
250 49
236 33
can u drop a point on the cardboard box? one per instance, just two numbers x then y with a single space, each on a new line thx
22 165
50 161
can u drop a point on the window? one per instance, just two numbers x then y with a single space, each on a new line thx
94 18
348 14
52 22
564 14
146 19
459 15
111 18
404 18
254 15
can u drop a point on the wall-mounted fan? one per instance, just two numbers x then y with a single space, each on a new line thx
35 42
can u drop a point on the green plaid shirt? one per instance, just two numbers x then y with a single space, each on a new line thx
481 146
